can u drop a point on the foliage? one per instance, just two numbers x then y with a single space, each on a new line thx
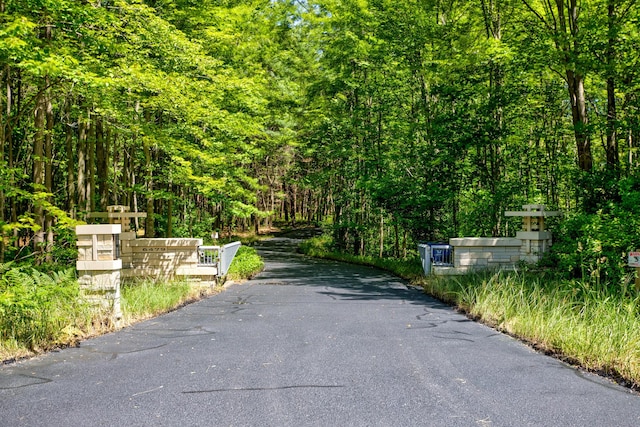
594 247
246 264
38 309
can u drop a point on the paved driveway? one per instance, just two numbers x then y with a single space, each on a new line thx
308 343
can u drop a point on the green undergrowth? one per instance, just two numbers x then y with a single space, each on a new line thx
141 299
587 324
39 310
246 264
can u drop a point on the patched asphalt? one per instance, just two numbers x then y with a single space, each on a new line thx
309 343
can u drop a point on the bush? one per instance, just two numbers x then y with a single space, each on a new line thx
246 264
36 308
594 247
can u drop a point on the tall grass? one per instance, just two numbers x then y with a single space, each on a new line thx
141 299
145 298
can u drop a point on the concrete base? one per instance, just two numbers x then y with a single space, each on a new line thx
102 289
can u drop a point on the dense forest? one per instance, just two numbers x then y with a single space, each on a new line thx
389 122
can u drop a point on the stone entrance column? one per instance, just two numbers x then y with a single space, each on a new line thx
99 266
535 239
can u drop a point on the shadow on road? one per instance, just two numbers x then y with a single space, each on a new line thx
284 265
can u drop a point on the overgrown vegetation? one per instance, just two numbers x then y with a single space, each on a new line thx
39 310
590 323
142 299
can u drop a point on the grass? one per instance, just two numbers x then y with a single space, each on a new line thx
143 299
586 324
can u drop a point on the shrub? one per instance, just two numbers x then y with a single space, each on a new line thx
594 247
36 308
246 264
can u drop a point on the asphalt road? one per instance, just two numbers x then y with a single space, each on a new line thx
308 343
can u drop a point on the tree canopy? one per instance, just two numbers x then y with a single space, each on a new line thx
389 121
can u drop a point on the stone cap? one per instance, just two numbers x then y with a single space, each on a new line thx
117 215
484 241
532 211
110 265
98 229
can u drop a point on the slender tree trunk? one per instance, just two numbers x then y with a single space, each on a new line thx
116 158
71 165
294 204
83 126
493 27
9 137
150 224
42 147
170 212
612 141
38 168
4 124
91 166
381 252
396 239
48 174
102 166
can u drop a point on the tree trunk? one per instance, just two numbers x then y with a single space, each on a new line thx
71 165
575 79
48 174
381 235
38 169
9 138
4 124
82 162
170 213
102 166
91 166
612 141
578 101
149 224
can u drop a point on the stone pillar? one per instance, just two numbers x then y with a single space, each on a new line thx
535 239
99 266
